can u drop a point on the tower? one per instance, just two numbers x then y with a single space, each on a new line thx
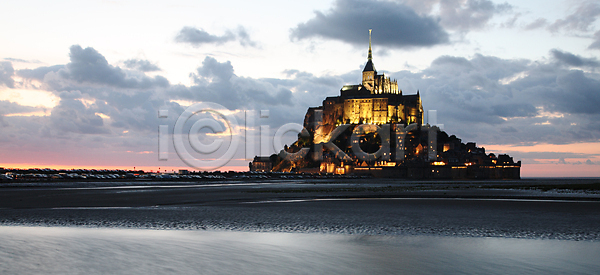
369 72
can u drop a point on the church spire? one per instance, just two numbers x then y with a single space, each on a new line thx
370 52
369 67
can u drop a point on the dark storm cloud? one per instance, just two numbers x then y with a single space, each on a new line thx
6 73
514 110
89 66
141 65
508 129
574 60
198 37
493 100
584 16
579 94
465 90
395 25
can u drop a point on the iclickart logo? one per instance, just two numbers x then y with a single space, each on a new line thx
208 119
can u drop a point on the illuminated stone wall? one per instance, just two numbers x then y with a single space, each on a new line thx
376 110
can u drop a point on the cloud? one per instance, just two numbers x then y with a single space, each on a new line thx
565 158
141 65
287 99
584 16
213 69
6 73
89 66
574 60
244 37
216 82
538 23
485 99
511 22
510 101
102 107
470 14
596 43
578 94
71 115
561 156
98 98
394 25
7 108
198 37
38 73
508 129
21 60
462 15
514 110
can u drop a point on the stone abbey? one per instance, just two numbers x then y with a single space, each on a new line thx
377 100
373 128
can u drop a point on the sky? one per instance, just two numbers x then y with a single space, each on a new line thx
82 82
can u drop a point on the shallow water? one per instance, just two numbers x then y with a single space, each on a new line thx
77 250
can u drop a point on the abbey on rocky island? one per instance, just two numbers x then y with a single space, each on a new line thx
373 128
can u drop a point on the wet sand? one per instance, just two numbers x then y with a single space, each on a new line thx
518 209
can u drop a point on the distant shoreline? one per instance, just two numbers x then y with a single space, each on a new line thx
544 184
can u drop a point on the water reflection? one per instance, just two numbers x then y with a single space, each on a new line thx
126 251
